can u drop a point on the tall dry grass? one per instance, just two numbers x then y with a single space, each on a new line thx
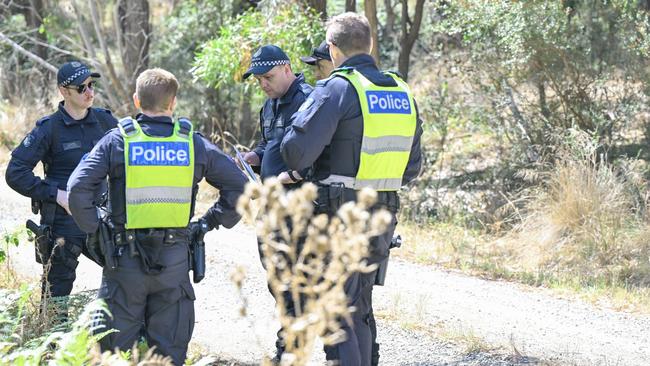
589 221
17 118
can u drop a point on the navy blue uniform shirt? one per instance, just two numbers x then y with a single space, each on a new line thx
59 142
107 158
328 129
275 117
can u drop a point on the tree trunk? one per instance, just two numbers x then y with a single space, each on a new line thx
134 30
240 6
389 30
409 35
351 5
320 6
370 8
33 10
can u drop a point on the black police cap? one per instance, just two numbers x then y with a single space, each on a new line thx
266 58
322 52
74 73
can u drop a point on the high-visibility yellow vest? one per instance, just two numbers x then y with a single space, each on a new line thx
389 122
159 175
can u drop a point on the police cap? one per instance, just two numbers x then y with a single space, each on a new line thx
266 58
322 52
74 73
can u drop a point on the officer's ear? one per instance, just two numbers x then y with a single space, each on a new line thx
287 69
172 105
136 101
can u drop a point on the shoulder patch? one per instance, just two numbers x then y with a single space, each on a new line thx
29 140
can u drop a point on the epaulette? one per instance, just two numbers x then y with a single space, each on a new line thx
324 82
103 110
306 88
396 73
42 120
346 69
126 124
185 126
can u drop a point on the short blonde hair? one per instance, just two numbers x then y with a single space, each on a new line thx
350 32
156 88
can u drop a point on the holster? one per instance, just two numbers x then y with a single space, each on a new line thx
197 250
382 266
106 244
44 239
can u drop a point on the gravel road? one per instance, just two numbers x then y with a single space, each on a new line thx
425 316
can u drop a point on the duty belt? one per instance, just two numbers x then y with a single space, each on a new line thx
124 237
332 196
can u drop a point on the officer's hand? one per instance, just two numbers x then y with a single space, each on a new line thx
289 177
62 200
252 158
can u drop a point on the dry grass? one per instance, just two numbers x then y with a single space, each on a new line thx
309 257
589 222
585 231
16 120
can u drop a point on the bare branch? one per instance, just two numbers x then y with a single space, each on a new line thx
30 55
102 42
82 30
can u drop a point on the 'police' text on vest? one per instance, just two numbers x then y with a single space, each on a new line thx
388 102
159 153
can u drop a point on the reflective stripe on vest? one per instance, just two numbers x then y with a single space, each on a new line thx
159 177
389 122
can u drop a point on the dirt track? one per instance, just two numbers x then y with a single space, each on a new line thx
422 311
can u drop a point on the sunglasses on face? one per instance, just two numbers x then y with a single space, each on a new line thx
83 87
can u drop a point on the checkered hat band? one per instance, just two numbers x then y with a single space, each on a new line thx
269 63
72 77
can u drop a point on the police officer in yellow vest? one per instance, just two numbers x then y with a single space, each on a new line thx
359 128
154 164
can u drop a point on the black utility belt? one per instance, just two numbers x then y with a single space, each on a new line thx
333 196
171 236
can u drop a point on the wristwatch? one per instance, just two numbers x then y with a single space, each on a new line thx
293 178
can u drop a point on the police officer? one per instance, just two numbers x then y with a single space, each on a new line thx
320 58
359 128
59 141
286 91
154 164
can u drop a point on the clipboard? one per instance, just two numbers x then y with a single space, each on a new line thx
245 166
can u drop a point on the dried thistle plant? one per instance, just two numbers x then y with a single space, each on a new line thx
311 257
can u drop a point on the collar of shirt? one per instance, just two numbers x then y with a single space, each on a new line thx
295 86
141 117
360 61
365 64
68 120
